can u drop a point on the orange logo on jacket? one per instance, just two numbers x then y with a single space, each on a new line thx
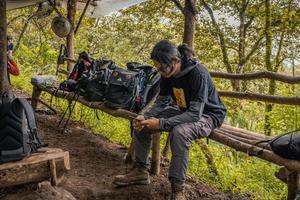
180 98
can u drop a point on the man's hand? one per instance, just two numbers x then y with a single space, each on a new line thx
152 123
137 123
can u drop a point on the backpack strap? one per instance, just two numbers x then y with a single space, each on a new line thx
31 122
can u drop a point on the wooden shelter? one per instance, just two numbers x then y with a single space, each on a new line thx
239 139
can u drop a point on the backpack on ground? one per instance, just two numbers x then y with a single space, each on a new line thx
18 130
286 145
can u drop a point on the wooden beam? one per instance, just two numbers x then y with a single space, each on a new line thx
257 75
34 168
261 97
292 165
71 7
4 84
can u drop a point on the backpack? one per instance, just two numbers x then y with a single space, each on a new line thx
122 89
148 85
96 85
93 86
286 145
18 130
132 88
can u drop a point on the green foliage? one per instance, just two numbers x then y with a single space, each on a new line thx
129 35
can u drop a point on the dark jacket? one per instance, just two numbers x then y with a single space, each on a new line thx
195 94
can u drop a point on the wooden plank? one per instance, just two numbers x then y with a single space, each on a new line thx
34 168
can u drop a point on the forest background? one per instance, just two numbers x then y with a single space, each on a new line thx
231 36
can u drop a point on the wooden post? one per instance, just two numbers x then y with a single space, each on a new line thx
155 164
70 38
166 148
53 175
293 185
4 85
36 92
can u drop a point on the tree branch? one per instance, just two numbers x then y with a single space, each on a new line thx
221 37
258 75
261 97
179 6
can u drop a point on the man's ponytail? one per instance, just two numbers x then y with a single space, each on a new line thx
185 51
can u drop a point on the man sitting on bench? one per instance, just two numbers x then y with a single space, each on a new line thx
194 113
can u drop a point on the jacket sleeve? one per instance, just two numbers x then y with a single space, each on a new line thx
199 92
163 100
159 105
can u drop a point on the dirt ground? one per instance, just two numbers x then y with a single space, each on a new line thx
94 162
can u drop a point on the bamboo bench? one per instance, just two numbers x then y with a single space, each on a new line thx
236 138
46 164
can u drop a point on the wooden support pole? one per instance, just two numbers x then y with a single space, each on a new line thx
209 157
53 175
292 165
4 84
166 148
36 92
293 185
155 164
70 38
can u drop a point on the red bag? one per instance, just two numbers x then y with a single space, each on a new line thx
13 68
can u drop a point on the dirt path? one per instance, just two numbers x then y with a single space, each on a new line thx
95 161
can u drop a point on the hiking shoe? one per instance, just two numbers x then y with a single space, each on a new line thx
177 192
137 176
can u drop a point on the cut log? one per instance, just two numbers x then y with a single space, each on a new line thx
35 168
247 141
292 165
243 131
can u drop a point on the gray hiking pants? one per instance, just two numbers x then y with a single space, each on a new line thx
181 138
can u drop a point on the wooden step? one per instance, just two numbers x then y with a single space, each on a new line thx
46 164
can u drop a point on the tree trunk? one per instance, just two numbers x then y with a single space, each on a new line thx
268 35
4 85
189 22
70 37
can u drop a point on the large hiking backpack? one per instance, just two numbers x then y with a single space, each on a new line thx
93 87
285 145
83 66
18 131
130 88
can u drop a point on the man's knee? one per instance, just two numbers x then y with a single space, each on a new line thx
179 137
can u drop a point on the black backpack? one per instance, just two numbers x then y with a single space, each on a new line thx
95 84
286 145
122 89
132 88
148 85
18 131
